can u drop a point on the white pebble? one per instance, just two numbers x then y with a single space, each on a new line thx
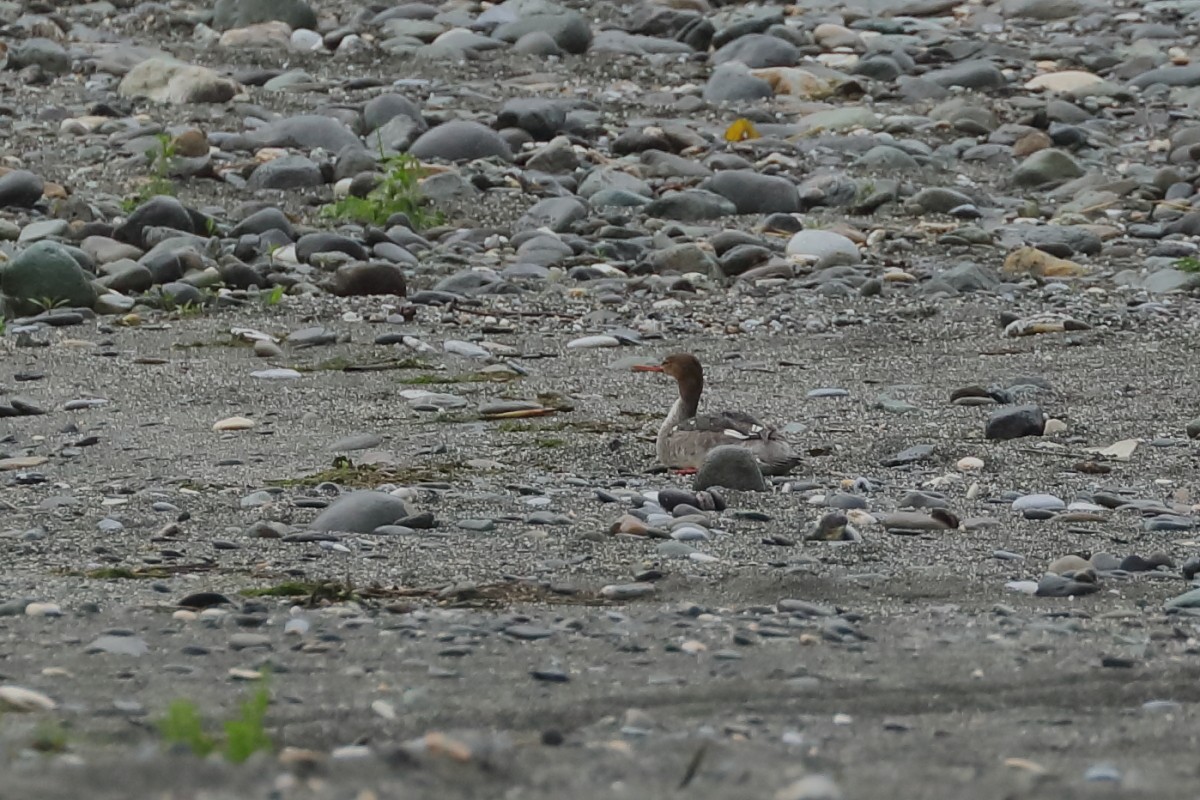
280 374
589 342
43 610
296 626
233 424
970 464
17 698
384 709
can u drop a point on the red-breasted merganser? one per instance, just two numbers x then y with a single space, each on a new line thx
685 436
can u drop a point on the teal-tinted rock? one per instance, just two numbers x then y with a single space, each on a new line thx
569 29
1046 167
1186 600
618 197
44 275
240 13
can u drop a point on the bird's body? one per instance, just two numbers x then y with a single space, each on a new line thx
686 435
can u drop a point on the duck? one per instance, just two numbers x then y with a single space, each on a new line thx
686 436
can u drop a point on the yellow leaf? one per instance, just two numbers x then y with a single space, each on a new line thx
741 130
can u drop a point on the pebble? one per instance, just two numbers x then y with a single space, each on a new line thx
360 512
730 467
1060 586
902 166
627 591
811 787
133 646
1015 422
1040 502
43 610
22 700
233 424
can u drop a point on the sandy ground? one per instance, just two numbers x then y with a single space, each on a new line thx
931 678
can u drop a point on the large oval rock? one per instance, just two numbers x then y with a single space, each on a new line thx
730 467
360 512
733 82
20 189
968 74
46 54
461 140
569 29
540 117
45 275
758 50
828 248
243 13
381 110
375 278
166 80
305 131
753 193
556 213
1015 422
310 244
263 220
1046 167
287 172
162 211
690 205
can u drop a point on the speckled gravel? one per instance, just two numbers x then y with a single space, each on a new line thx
401 471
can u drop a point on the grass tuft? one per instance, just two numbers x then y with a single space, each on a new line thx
245 734
398 192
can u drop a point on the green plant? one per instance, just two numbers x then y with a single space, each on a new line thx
271 254
313 592
160 182
272 297
189 308
398 192
245 734
1188 264
182 725
49 303
50 737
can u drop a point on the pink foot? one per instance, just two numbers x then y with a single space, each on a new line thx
684 471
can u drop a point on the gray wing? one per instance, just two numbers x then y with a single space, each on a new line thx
733 424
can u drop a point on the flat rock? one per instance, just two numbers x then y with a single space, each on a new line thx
360 512
20 189
461 140
44 272
730 467
242 13
826 248
1015 422
168 81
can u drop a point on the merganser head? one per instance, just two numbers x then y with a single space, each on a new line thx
680 366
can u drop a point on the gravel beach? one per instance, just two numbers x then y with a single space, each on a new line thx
318 389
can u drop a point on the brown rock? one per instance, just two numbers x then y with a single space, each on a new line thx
1032 261
191 144
375 278
1067 564
1030 143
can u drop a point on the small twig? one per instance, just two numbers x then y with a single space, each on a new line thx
495 312
1060 454
694 765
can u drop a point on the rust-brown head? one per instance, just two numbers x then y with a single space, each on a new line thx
680 366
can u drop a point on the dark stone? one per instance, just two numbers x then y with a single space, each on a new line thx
1015 422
